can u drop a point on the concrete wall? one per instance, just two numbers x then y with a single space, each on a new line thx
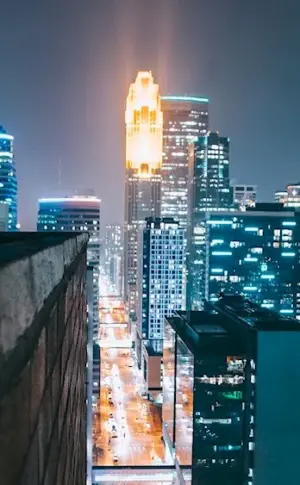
42 367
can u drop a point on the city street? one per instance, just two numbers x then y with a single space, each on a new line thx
127 427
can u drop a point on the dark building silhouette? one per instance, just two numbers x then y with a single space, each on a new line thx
231 393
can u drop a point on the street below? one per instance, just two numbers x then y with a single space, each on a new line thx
127 428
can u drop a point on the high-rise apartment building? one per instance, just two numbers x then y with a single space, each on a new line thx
78 213
8 178
244 196
114 256
161 288
144 125
185 117
254 253
43 343
230 412
209 190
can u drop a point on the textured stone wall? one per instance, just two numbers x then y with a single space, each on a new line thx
42 369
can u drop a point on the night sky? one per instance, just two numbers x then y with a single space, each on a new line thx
66 66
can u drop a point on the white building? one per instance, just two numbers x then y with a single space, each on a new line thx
244 195
289 197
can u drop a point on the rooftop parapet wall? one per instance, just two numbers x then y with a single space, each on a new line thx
30 269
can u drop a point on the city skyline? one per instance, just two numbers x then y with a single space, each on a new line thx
70 90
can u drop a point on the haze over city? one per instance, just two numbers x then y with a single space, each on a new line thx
67 68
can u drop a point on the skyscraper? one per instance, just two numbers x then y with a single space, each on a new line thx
185 117
230 405
8 178
76 214
209 190
144 125
255 253
161 288
114 256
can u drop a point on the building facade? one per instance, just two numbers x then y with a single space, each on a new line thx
96 373
8 178
161 288
185 117
254 253
219 380
244 196
114 256
289 197
4 216
43 359
209 190
144 125
76 214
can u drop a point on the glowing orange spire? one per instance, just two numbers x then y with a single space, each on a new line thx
144 126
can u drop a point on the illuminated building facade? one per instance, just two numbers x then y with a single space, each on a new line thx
144 125
290 197
209 190
4 216
280 196
254 253
185 117
113 256
244 196
218 409
8 178
161 281
78 213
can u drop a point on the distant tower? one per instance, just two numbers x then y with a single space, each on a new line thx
209 190
8 178
185 117
144 127
78 213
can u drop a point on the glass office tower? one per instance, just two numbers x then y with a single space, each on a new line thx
209 190
8 178
254 253
225 390
185 117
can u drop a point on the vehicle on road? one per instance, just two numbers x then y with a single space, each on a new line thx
115 458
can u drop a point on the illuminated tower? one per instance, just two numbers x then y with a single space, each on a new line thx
8 178
185 117
144 126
